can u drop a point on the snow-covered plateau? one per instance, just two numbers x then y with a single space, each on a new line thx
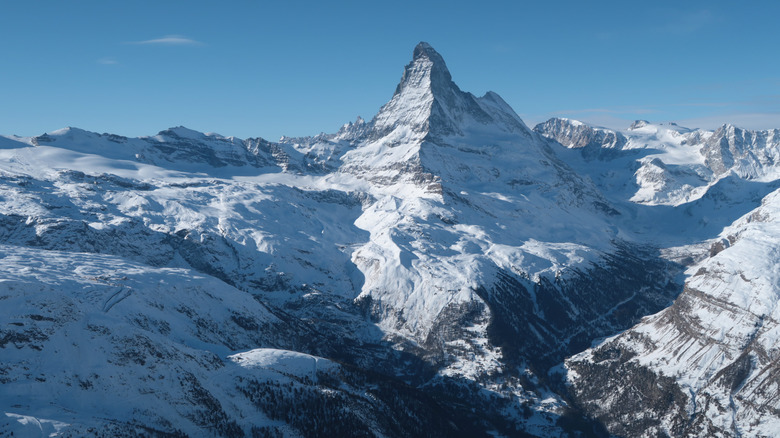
439 270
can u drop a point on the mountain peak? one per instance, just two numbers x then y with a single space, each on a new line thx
638 124
429 103
423 47
181 132
427 71
424 50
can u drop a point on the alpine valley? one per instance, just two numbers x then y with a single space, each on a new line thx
440 270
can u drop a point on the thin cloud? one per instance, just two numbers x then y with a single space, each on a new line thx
170 40
107 61
704 104
688 23
755 121
619 110
503 48
772 101
670 22
586 110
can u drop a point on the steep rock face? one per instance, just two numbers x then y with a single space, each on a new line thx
427 119
713 353
577 135
750 153
428 102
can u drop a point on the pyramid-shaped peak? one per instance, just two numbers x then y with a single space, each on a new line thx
428 101
425 50
427 70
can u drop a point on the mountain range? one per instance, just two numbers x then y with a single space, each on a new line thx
439 270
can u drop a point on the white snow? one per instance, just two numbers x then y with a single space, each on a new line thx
128 245
283 361
25 426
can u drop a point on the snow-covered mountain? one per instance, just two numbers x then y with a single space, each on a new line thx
672 165
417 274
707 365
703 366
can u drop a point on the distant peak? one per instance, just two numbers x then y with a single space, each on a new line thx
728 129
68 130
638 124
181 132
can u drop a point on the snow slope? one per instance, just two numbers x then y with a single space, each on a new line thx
715 349
703 366
415 274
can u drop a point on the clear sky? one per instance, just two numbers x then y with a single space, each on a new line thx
261 68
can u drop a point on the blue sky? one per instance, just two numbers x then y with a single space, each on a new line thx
251 68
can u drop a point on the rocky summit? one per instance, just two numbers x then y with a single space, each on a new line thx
440 270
